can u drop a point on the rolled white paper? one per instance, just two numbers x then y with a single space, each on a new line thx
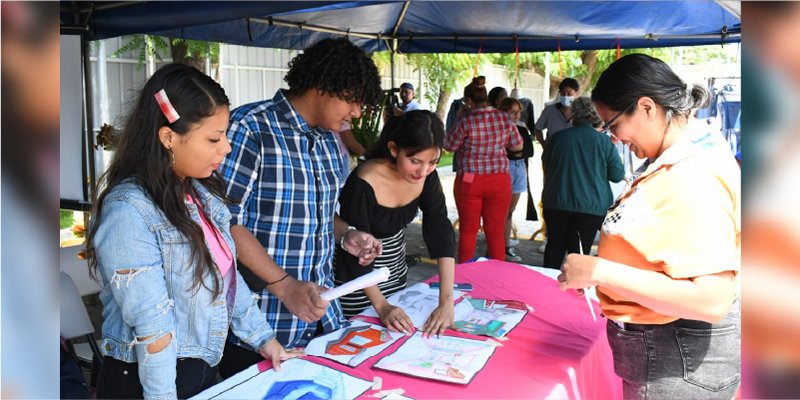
373 278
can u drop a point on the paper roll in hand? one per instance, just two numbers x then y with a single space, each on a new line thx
373 278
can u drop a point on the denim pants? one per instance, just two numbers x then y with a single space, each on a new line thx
684 359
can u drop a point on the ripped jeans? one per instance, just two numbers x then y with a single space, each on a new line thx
120 380
684 359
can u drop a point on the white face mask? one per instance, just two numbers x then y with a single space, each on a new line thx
566 101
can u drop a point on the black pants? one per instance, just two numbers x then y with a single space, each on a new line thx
236 358
120 380
562 234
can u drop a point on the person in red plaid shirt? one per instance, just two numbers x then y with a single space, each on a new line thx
483 185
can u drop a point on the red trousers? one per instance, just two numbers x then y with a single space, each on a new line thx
488 197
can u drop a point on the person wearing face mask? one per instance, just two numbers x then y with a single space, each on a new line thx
669 253
381 197
557 116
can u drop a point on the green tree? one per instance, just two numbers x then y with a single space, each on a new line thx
445 73
189 52
587 65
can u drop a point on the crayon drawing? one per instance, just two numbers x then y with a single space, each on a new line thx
354 344
444 358
418 301
493 318
298 379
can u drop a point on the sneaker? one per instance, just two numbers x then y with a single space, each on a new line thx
542 247
512 242
511 255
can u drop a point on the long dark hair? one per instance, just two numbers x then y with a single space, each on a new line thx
142 158
494 95
639 75
413 132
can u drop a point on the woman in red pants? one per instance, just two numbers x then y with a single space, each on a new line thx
483 184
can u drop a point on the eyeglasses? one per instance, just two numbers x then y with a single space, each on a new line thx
607 126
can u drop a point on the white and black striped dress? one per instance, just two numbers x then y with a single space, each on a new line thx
359 207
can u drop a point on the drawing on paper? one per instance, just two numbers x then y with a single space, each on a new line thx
418 301
298 379
354 344
495 318
299 389
444 358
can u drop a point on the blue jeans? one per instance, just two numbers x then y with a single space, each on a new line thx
684 359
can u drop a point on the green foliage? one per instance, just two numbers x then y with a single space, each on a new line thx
158 47
572 63
143 45
367 128
445 72
65 220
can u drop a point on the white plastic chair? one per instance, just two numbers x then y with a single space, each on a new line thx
75 323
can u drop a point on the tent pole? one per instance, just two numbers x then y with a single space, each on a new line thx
392 52
89 173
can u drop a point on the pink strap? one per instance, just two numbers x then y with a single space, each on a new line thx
216 243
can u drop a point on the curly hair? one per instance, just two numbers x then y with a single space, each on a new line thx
583 112
338 68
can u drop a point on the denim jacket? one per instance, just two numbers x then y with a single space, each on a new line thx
144 262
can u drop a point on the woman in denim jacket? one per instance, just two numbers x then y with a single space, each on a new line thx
160 239
669 254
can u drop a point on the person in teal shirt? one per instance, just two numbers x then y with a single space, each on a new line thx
578 164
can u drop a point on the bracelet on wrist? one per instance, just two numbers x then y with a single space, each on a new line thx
272 283
341 241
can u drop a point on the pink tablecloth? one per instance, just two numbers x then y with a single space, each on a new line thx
557 351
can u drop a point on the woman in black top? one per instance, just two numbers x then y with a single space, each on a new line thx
381 197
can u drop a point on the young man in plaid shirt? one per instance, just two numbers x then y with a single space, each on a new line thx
283 174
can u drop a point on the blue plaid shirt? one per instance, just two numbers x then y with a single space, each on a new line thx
286 178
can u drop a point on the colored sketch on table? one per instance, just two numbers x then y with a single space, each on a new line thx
493 318
298 379
354 344
443 358
418 301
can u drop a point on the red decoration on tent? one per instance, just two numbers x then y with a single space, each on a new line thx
478 60
560 68
516 61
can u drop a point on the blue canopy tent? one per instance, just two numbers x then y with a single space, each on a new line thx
409 26
418 26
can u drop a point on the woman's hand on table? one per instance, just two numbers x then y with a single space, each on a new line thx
395 318
441 318
578 271
272 350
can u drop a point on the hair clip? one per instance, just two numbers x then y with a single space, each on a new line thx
166 106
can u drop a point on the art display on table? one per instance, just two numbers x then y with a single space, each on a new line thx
418 301
442 358
298 379
495 318
354 344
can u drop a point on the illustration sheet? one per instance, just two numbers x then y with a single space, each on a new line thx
418 301
493 318
298 379
442 358
354 344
